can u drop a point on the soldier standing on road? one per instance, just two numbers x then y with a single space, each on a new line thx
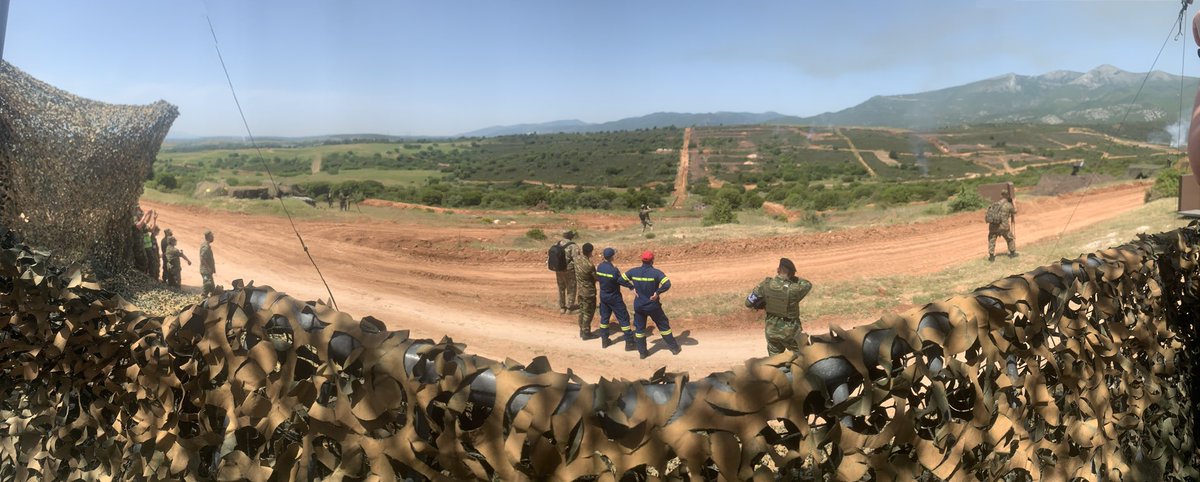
565 274
585 282
611 302
171 263
166 241
1000 216
208 266
780 297
649 283
644 215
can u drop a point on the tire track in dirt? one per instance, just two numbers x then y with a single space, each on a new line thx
433 281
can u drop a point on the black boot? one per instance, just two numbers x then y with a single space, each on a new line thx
587 334
641 348
604 342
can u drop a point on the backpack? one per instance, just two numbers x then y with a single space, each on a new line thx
556 257
995 213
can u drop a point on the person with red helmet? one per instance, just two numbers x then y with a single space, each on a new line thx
649 284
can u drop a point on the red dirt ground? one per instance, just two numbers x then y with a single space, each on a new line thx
433 281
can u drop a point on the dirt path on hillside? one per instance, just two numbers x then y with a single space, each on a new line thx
854 150
681 179
432 281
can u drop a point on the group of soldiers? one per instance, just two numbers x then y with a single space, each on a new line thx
578 278
161 259
343 201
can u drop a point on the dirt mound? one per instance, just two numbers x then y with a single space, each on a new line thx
1054 185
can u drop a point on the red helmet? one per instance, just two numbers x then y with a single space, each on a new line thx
647 256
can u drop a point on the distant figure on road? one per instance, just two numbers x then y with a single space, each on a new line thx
1075 168
329 199
343 202
208 267
585 287
780 298
1000 217
644 215
171 263
561 260
611 302
166 241
649 283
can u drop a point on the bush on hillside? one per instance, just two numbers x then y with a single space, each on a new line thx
721 212
535 233
966 200
1166 185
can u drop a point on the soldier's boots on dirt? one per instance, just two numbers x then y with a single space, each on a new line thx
668 338
586 334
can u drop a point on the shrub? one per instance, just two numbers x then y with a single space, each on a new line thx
233 181
649 235
966 200
535 233
166 182
1166 185
721 212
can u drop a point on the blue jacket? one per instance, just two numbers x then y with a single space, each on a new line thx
647 280
611 281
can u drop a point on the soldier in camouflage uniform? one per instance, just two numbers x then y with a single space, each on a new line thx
208 266
166 242
566 279
1003 228
171 268
780 297
585 288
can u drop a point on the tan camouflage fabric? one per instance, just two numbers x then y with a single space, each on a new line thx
1083 369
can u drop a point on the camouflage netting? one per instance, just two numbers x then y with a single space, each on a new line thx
1082 369
71 169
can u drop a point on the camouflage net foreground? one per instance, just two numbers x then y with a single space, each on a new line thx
1083 369
71 169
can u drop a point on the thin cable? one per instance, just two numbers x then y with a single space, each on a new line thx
1178 21
264 161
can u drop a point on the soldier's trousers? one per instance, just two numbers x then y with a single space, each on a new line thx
660 320
153 262
781 334
615 308
566 289
996 232
210 288
587 311
172 277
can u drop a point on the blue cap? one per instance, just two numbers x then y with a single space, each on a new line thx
609 252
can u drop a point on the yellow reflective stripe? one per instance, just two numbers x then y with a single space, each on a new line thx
665 333
606 275
635 278
641 335
626 328
604 325
664 280
626 278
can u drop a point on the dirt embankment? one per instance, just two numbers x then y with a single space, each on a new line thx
435 281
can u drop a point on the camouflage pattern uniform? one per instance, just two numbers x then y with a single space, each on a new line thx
152 258
172 269
780 297
585 281
644 216
163 245
208 267
1003 229
566 279
138 243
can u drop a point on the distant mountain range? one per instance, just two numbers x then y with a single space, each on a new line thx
1099 96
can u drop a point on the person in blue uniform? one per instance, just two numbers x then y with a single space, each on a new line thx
649 284
611 302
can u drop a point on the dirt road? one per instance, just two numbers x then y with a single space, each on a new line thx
681 178
429 280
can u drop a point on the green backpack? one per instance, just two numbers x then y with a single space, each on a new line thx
995 213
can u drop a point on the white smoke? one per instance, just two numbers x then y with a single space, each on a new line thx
1179 132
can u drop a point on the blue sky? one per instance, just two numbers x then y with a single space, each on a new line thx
444 67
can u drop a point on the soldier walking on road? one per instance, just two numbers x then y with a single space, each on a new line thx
649 283
208 266
1000 216
585 281
171 263
780 297
611 302
561 260
644 215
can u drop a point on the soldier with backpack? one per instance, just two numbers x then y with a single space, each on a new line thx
561 260
1000 217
